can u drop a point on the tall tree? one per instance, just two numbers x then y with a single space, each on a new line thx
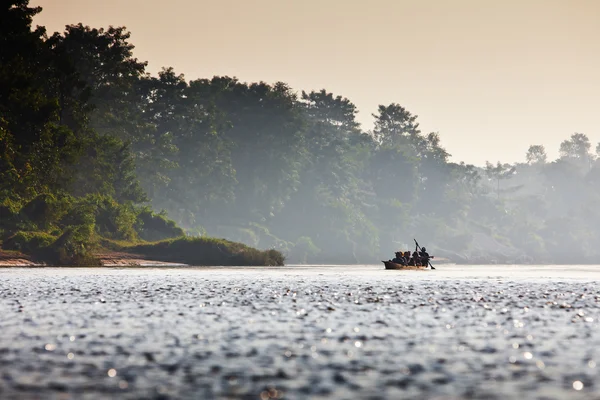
498 173
329 203
201 176
266 134
117 91
536 154
395 125
577 149
30 134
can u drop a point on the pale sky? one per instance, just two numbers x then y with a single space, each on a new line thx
491 76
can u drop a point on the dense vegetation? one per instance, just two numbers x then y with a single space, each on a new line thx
90 144
74 138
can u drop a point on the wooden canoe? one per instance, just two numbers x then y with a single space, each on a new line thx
391 265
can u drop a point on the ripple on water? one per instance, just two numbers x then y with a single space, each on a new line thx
286 334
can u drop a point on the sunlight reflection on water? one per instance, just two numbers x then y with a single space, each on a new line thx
301 331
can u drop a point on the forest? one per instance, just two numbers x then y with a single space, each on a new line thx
94 149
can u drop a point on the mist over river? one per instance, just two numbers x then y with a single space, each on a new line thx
296 332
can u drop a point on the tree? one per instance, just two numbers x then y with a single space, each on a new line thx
329 202
82 122
29 128
331 134
577 149
118 92
536 154
499 172
200 176
266 132
395 125
435 175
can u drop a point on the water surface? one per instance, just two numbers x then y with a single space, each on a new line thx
300 332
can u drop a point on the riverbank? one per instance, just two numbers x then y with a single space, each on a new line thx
107 259
182 251
16 259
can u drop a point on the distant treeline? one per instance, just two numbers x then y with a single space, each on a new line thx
83 122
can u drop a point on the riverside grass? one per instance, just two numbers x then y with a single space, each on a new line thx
198 251
204 251
68 231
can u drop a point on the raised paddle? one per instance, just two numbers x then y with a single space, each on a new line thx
419 248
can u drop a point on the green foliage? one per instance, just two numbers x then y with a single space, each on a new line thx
107 166
29 242
81 212
208 251
9 215
108 218
74 247
90 144
113 220
39 211
154 227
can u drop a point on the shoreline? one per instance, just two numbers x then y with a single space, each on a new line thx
108 260
116 259
176 252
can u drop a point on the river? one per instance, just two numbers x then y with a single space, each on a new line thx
300 332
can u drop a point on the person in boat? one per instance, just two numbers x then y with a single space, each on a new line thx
415 259
411 259
399 258
406 256
424 255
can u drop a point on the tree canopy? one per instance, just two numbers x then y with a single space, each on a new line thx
264 164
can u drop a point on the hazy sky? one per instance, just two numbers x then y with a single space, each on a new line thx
491 76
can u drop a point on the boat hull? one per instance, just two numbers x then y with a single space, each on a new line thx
391 265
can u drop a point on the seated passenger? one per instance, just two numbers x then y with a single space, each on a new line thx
417 259
405 257
399 259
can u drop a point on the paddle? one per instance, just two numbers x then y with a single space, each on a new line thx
419 248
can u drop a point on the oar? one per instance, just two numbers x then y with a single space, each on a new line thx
419 248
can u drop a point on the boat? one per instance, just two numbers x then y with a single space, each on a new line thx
392 265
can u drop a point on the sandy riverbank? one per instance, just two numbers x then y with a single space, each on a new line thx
108 259
13 259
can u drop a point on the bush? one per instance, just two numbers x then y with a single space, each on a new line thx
153 227
73 247
9 215
114 220
39 211
208 251
80 213
29 242
78 239
109 218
